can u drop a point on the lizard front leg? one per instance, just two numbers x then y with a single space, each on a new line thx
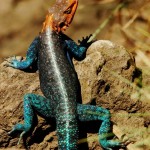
91 113
31 103
78 51
30 57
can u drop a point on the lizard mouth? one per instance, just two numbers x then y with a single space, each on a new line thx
63 25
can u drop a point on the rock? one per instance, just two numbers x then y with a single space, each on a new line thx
108 77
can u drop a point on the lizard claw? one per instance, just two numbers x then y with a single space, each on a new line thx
10 132
125 140
85 41
20 137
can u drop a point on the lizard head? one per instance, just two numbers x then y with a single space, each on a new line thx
60 15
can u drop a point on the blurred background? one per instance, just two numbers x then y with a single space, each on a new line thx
125 22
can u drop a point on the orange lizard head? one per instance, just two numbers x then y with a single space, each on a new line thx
60 15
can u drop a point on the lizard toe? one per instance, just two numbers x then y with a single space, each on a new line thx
21 137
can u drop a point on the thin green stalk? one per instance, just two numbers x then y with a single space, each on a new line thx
106 21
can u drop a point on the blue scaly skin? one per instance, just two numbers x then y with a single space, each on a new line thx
59 82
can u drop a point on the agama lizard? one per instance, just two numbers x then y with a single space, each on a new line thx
53 51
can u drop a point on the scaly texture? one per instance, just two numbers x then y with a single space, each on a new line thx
58 83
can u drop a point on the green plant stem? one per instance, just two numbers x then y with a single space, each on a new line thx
106 21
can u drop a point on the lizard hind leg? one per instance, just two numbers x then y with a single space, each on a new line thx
31 103
91 113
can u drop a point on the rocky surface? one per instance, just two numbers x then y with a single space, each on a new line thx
108 77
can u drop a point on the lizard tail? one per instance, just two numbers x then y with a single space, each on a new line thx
67 129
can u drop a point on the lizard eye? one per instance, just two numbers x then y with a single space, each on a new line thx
68 11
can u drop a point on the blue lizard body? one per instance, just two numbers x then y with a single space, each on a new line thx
59 84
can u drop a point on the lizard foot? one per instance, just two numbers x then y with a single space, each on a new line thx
21 136
85 41
111 144
125 140
19 127
13 62
115 143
